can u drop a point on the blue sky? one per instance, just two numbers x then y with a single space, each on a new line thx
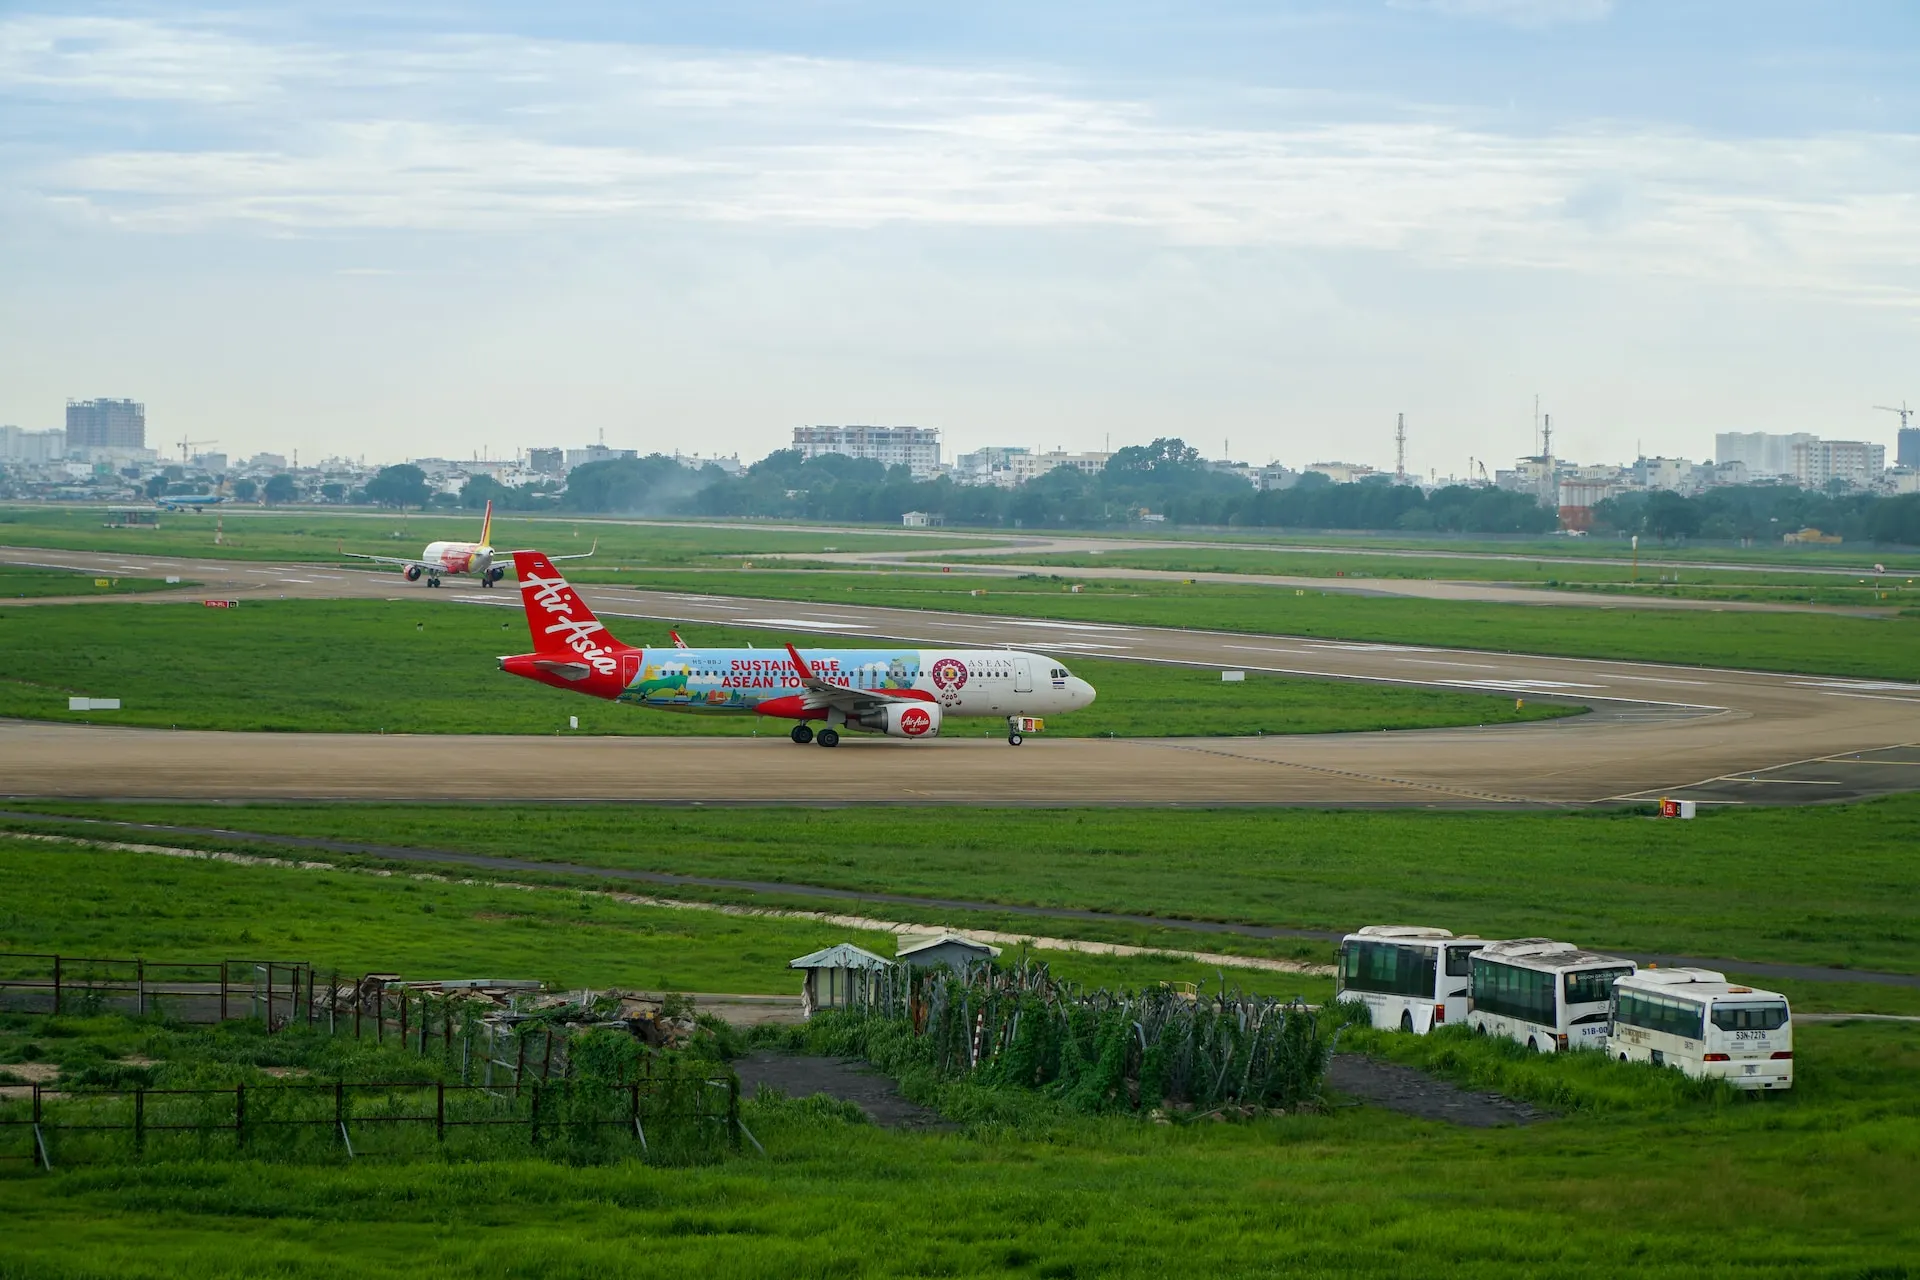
1266 227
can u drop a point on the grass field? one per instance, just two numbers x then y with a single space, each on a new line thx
1887 648
308 533
1637 1177
1781 583
377 666
19 582
90 902
1822 886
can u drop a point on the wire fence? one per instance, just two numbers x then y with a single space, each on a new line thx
671 1116
276 991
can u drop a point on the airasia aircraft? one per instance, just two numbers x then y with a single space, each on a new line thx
476 558
899 692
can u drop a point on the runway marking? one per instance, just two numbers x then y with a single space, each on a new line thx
1864 685
1437 662
1543 685
806 624
1870 697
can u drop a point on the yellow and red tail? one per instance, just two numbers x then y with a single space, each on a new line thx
486 526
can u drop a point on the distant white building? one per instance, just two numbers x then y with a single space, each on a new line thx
1029 466
1275 476
921 520
596 453
1341 472
1816 463
915 448
1764 453
32 446
1674 475
992 465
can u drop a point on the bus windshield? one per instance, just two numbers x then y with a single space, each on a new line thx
1593 986
1768 1015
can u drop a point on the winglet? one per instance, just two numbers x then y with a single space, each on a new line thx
800 664
486 526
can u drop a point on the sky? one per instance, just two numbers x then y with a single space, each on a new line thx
1268 228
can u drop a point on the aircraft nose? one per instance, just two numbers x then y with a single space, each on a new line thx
1083 693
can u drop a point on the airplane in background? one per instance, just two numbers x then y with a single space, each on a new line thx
899 692
456 558
193 501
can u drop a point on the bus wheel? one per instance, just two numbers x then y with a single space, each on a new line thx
1533 1046
1480 1029
802 733
1406 1022
1623 1057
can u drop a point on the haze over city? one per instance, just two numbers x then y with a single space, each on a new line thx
1267 229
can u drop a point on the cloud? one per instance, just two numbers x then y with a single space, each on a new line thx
1518 13
483 134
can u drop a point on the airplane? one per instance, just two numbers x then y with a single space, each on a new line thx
453 558
899 692
195 502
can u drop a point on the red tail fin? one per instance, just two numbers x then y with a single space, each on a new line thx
559 619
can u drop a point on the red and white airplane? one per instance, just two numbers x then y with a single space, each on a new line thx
899 692
456 558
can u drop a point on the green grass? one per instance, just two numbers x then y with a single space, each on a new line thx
93 902
319 534
21 582
1818 1183
1833 886
421 667
1829 644
1759 582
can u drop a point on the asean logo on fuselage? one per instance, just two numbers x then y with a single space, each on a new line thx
915 721
949 677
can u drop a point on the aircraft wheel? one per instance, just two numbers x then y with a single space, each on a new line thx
802 733
827 738
433 582
1014 739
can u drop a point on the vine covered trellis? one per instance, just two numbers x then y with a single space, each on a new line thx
1098 1050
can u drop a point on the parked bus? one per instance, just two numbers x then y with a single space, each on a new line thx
1694 1019
1408 977
1549 996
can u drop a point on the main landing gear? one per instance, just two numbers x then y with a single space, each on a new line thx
803 733
827 738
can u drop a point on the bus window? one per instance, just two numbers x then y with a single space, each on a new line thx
1593 986
1458 959
1769 1016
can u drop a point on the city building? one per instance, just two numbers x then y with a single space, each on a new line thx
1907 452
596 453
1341 472
1029 466
547 462
992 465
921 520
1817 463
915 448
1765 454
1672 474
106 424
1275 476
17 445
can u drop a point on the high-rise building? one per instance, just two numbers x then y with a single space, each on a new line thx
546 462
1907 452
1819 462
916 448
1765 454
106 424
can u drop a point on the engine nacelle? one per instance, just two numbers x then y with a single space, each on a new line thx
905 720
412 573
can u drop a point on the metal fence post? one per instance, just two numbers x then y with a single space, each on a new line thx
533 1119
733 1110
140 1120
223 991
440 1110
56 995
139 987
403 1018
239 1115
380 1016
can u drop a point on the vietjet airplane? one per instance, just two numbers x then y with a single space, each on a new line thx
902 693
454 558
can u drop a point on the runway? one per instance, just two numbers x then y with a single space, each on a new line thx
1713 735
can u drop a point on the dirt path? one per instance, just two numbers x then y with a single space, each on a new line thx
847 1079
1414 1093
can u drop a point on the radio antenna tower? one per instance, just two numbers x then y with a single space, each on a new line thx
1400 451
1546 437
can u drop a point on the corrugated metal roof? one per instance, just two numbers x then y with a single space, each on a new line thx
841 955
923 944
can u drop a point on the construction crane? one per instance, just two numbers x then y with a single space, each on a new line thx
187 446
1904 412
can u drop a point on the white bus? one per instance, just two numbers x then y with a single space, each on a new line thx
1694 1019
1549 996
1408 977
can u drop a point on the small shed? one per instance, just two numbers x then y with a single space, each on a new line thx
949 949
837 976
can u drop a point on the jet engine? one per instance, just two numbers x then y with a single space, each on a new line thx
413 573
905 720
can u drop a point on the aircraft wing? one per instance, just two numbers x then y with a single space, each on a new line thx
579 555
822 693
403 561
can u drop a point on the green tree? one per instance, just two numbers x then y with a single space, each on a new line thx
244 490
281 488
404 485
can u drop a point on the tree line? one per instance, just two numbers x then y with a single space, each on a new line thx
1168 479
